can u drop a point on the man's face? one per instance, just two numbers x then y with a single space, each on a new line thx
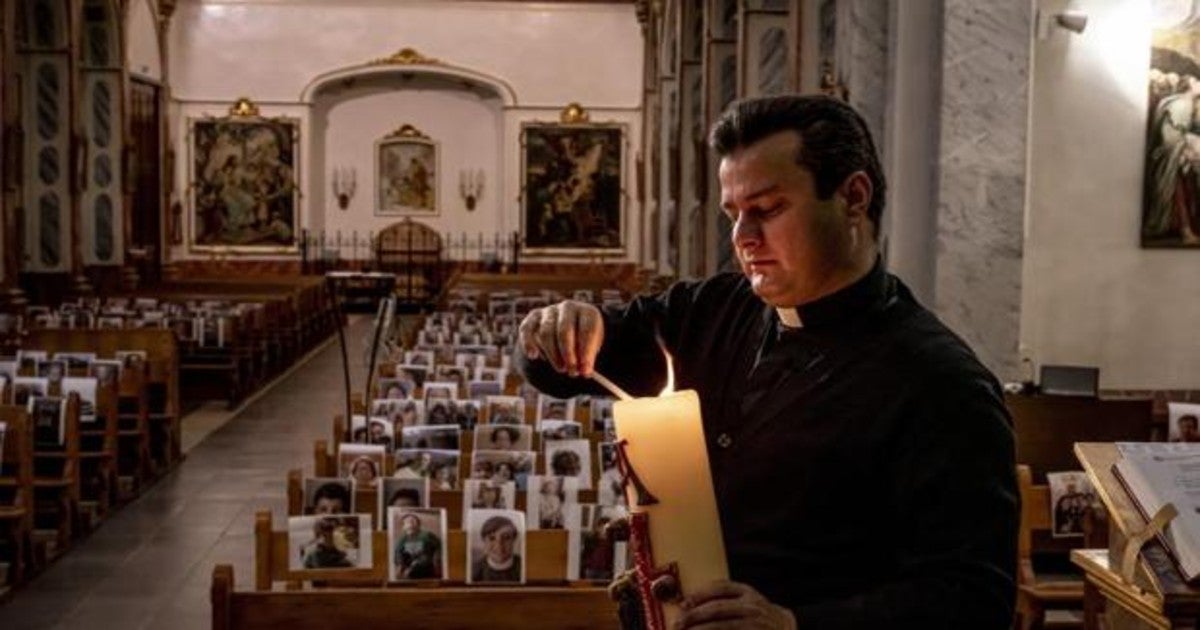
328 505
790 244
499 544
411 526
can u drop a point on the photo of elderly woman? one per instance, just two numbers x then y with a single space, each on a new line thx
496 547
361 463
547 501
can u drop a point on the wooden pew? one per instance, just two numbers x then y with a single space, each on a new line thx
56 483
513 608
1047 427
98 454
16 490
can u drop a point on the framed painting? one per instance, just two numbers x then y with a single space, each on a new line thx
243 183
1171 189
572 198
406 171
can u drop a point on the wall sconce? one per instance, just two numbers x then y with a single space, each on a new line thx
345 183
1073 21
470 186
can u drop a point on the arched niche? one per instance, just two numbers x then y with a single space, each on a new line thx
101 116
142 41
353 109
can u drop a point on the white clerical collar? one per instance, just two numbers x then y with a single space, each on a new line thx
789 317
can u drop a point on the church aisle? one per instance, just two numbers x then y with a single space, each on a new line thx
150 565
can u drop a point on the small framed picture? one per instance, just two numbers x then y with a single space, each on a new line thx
569 458
440 467
417 540
503 437
403 493
546 499
609 489
491 374
442 437
1071 496
550 408
327 495
496 547
485 494
503 466
1184 420
505 409
341 541
560 430
86 388
361 463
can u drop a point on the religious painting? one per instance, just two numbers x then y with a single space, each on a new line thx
1171 185
406 170
572 192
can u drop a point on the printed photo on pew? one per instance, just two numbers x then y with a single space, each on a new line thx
442 437
466 413
439 466
546 501
132 359
27 387
402 492
560 430
329 542
491 374
86 388
495 547
417 544
76 361
470 360
49 418
600 415
504 466
452 374
328 495
401 412
396 388
361 463
9 369
417 375
480 390
569 458
1184 422
372 430
439 390
505 410
550 408
485 494
418 358
600 558
1071 497
503 437
106 372
28 361
609 489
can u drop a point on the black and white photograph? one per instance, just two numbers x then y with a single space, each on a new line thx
328 495
485 494
609 489
439 466
550 408
402 493
1071 496
341 541
1184 422
48 415
86 388
503 437
440 437
503 466
569 458
600 415
372 430
417 543
546 501
505 410
402 412
495 547
361 463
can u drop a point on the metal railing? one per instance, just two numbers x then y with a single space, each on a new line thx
322 251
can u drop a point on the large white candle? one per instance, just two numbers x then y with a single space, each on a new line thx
665 448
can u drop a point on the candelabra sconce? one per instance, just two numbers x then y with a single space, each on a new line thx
345 183
470 186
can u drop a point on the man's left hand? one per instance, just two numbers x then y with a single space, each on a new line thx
732 605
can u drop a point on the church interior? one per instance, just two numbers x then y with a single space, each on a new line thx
239 236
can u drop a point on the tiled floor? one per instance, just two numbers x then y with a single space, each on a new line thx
150 565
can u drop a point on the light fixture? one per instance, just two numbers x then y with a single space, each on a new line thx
345 184
470 186
1074 21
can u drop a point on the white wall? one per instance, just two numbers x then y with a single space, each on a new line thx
545 55
142 55
1091 295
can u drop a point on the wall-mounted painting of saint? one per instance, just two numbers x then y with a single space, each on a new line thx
244 184
406 168
1171 186
572 198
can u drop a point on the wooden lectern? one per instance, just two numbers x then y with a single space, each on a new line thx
1150 594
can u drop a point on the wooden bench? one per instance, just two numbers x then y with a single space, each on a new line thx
56 484
16 491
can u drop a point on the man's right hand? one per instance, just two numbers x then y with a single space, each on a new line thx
568 335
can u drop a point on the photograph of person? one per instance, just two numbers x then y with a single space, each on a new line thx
608 488
1071 496
372 430
546 500
329 542
361 463
569 458
1184 422
505 409
431 337
485 494
600 415
470 360
328 495
402 493
491 374
600 558
480 390
53 372
550 408
440 437
26 387
76 361
530 394
394 388
504 466
29 360
439 466
417 359
416 537
131 359
48 415
438 412
86 388
503 437
415 374
560 430
105 371
9 369
440 390
496 547
583 295
466 414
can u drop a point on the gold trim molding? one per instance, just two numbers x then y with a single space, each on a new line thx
407 131
406 57
574 114
244 108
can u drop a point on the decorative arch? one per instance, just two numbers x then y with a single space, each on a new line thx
409 61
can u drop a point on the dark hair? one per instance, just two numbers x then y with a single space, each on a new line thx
562 460
494 523
334 491
406 493
834 140
1190 418
513 433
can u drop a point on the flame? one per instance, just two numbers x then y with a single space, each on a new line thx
670 388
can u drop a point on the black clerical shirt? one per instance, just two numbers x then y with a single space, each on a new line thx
863 464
